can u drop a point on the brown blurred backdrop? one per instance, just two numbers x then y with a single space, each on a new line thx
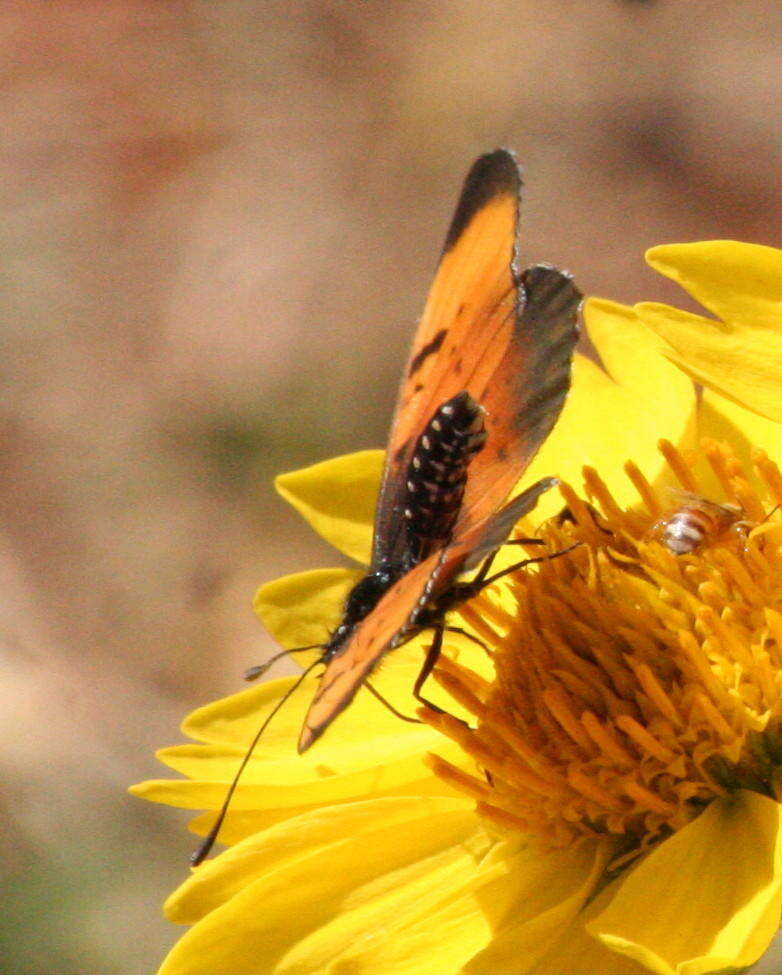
218 223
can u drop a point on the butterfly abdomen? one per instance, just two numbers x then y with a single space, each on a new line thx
437 473
434 489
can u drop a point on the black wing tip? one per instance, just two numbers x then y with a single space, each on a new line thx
493 174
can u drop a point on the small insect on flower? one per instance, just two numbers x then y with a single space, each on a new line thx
696 522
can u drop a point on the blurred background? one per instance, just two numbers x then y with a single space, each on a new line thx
218 222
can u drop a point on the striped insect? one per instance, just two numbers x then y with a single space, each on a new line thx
697 522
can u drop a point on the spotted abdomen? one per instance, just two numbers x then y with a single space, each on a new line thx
438 473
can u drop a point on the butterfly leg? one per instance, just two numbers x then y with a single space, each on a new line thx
481 574
469 636
482 581
489 560
566 516
387 704
432 655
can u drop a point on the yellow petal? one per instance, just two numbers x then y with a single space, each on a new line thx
737 282
706 899
406 778
552 890
356 735
301 609
234 720
343 889
617 413
575 952
333 831
367 751
361 737
337 497
258 806
394 887
743 430
741 356
289 780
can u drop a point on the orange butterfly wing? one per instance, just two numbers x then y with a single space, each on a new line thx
346 672
392 620
505 338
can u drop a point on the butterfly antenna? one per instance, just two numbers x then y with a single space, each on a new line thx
200 854
253 673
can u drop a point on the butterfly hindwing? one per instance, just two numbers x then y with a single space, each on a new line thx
526 392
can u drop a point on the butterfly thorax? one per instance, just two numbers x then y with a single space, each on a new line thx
434 487
437 474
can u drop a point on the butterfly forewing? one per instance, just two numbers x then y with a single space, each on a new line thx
346 672
462 337
505 338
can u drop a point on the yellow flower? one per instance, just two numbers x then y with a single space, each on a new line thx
612 803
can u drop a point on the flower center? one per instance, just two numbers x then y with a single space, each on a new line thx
639 676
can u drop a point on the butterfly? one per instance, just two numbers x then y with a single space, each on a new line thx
485 381
493 349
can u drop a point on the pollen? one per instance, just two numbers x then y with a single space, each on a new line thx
638 676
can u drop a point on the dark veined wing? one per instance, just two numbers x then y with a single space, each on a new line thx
525 394
506 339
393 619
